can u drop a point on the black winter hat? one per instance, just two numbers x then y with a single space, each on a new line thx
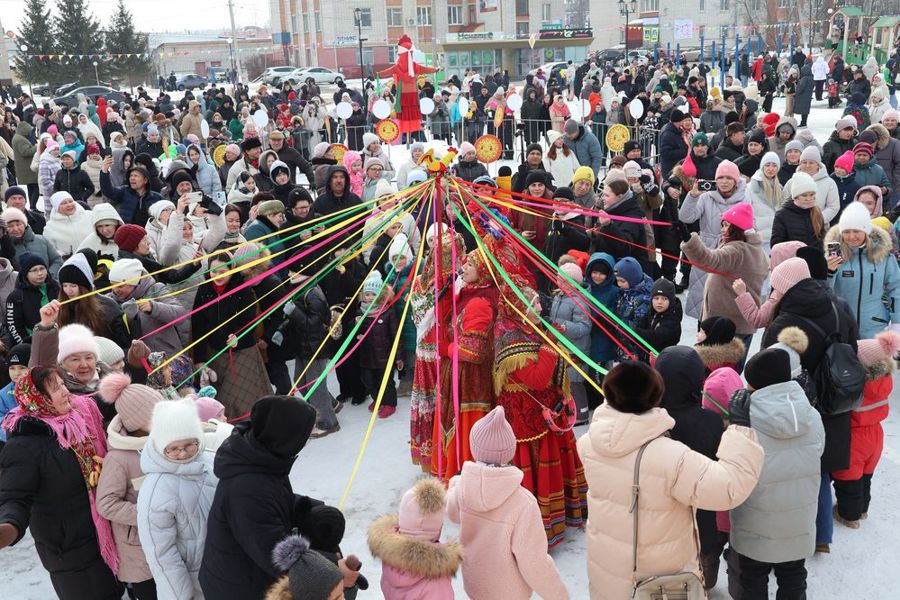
815 259
676 116
179 177
250 143
565 193
536 177
769 367
664 287
758 136
531 147
29 260
70 273
731 117
282 424
505 171
19 354
629 146
324 527
719 331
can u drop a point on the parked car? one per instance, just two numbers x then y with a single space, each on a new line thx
269 75
613 55
320 75
91 91
191 81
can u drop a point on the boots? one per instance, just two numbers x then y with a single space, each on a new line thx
709 564
843 521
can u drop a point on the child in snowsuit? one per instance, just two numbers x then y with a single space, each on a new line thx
377 334
661 327
601 284
852 486
569 315
717 345
501 531
633 303
415 564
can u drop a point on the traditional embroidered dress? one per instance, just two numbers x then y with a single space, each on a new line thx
428 322
474 345
532 386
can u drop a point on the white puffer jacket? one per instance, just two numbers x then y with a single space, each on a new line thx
67 232
102 212
173 508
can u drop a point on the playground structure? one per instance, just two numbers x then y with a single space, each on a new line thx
857 36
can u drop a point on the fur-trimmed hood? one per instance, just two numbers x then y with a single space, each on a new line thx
880 368
281 590
878 247
884 136
719 355
430 560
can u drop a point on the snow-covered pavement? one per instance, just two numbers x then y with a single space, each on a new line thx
858 567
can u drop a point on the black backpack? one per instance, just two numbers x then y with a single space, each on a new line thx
840 376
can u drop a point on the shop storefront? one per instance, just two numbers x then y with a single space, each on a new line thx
488 52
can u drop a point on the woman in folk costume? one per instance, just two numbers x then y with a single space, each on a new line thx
470 339
431 318
532 385
405 73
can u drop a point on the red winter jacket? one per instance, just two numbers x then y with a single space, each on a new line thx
875 406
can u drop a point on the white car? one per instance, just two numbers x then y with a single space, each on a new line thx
270 74
320 75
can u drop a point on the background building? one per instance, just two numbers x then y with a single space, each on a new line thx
184 53
487 35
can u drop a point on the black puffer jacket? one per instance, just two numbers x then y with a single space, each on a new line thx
628 231
76 182
23 306
672 148
308 323
41 487
662 330
470 171
376 345
793 223
834 147
221 308
697 428
811 299
254 508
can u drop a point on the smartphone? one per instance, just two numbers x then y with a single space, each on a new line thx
219 198
834 248
196 197
706 185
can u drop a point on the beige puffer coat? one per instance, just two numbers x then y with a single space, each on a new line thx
117 499
673 479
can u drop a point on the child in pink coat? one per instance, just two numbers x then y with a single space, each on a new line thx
786 277
500 522
415 564
354 165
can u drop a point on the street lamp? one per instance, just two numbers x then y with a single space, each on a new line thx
96 74
358 13
626 9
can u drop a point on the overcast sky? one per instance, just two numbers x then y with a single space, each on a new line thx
161 15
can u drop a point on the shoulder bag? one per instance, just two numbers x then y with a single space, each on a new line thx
678 586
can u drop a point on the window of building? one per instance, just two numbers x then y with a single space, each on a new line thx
783 3
521 8
368 56
723 5
395 17
305 22
545 12
649 5
522 29
454 15
702 5
365 17
318 19
471 13
756 4
392 54
423 15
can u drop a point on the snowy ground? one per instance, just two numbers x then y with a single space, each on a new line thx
323 470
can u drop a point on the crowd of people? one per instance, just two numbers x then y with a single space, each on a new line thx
170 319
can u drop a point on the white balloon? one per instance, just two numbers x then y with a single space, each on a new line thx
344 110
585 107
685 108
381 109
426 106
261 118
204 128
514 102
637 108
463 106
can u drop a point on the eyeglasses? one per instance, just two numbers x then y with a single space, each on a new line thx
174 451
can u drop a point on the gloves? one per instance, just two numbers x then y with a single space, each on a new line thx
211 206
739 408
645 179
651 188
288 308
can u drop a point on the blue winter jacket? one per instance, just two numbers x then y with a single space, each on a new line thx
869 280
602 347
871 173
7 403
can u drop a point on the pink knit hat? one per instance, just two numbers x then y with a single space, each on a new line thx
208 408
573 271
492 440
788 274
783 251
845 161
720 385
465 148
885 345
134 402
245 254
740 215
727 168
422 510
